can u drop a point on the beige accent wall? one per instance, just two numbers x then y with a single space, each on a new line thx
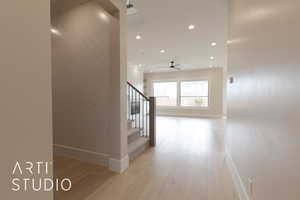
89 82
263 135
25 85
215 78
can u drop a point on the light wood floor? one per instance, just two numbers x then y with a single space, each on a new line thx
187 164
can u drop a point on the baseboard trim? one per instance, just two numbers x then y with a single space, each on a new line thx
238 183
119 166
81 154
188 115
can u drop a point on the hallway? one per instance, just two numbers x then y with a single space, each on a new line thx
187 164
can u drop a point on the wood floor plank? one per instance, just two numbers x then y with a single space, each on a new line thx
187 164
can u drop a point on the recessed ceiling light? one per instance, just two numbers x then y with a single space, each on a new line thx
213 44
162 51
138 37
191 27
212 58
140 65
55 31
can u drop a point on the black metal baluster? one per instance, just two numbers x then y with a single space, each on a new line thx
130 96
143 111
135 109
140 112
147 119
128 99
132 107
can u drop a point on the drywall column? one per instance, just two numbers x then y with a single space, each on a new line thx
89 82
119 160
263 137
25 85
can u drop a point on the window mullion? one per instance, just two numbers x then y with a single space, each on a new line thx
179 93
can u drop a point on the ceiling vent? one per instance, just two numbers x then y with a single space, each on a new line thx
130 8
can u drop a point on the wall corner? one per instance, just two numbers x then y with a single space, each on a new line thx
119 166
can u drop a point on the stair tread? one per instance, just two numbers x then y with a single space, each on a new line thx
132 131
129 123
137 143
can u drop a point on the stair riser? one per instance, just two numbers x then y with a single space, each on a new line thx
133 137
130 124
139 151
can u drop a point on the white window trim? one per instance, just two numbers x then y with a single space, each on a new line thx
194 107
167 81
178 103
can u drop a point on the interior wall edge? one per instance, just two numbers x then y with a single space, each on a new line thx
119 165
236 178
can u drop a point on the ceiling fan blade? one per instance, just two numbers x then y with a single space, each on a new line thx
160 67
175 68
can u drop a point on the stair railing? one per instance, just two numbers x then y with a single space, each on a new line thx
142 113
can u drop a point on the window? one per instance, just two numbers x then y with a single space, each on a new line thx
194 93
165 93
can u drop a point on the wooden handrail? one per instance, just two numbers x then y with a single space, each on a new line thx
138 91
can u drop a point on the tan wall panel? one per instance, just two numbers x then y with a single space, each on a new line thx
25 87
89 79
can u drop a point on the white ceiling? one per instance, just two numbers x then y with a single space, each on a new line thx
163 24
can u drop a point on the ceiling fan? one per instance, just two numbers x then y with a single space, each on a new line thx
130 8
129 4
172 66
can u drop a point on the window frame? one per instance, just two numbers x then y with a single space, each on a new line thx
178 101
167 81
208 95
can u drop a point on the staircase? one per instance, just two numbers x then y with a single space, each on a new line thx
141 122
137 144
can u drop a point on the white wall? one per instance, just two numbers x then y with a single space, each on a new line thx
263 135
215 78
25 87
135 76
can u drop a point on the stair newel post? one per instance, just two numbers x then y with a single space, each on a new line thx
127 102
152 119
